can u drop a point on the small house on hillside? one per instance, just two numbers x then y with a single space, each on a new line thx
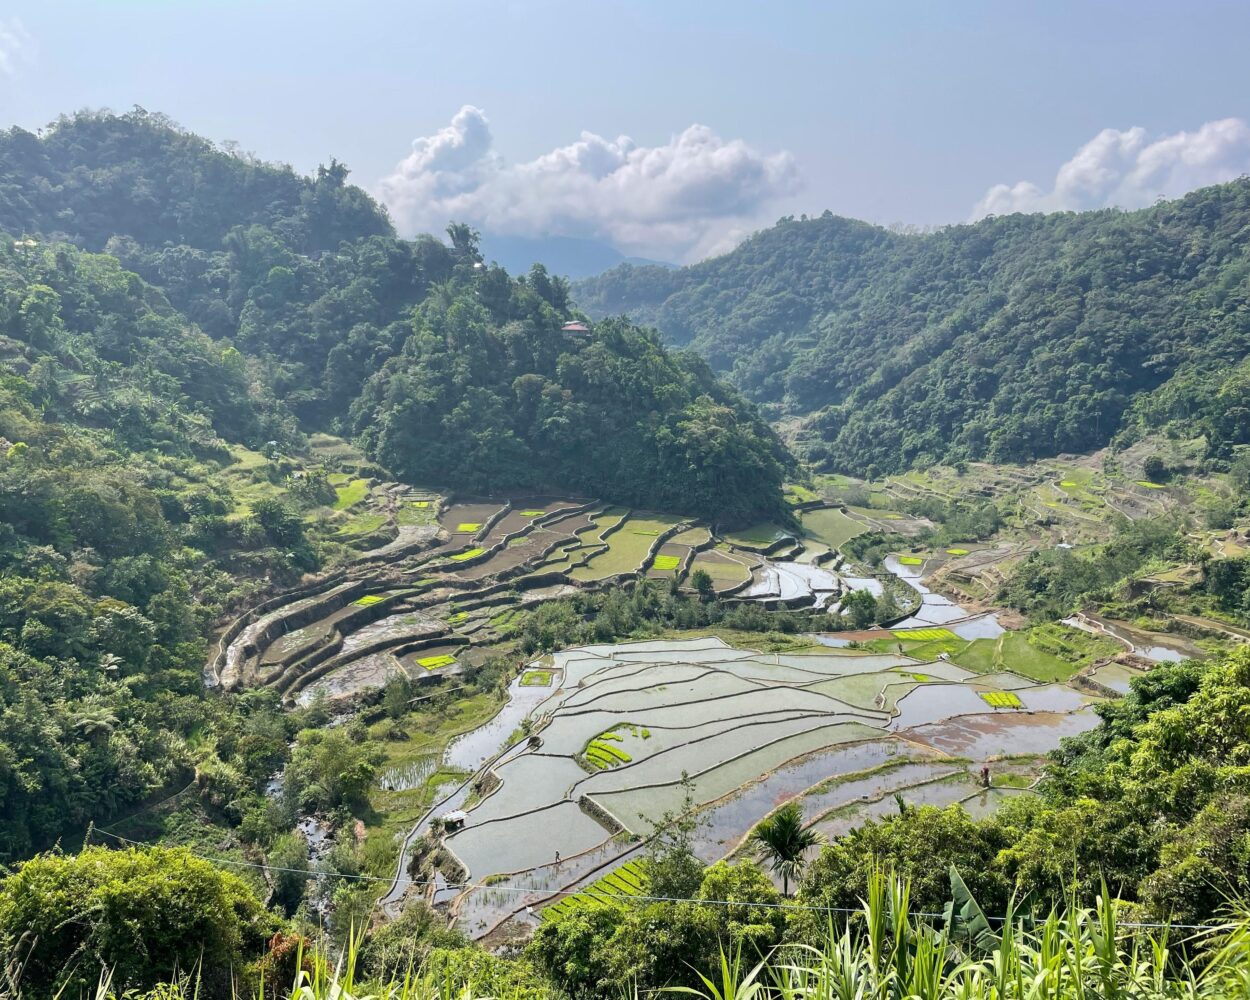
576 330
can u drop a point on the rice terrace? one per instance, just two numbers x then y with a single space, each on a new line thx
546 798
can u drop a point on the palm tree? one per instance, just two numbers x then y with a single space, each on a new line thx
782 841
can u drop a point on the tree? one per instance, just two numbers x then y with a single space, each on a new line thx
1155 468
783 842
671 867
144 915
919 846
281 525
332 767
289 857
861 606
465 241
701 580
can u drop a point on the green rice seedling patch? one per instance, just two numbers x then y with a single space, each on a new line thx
536 678
468 527
922 678
368 601
956 552
434 662
1002 699
421 504
1149 485
910 561
925 634
532 513
611 750
351 494
609 891
457 617
1068 484
601 759
602 750
337 478
467 554
667 562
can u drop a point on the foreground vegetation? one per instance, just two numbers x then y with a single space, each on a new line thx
881 949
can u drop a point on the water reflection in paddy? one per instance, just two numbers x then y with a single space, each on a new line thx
483 909
525 841
725 822
989 735
473 749
938 610
942 792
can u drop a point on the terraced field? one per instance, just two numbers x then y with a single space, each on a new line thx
610 743
563 785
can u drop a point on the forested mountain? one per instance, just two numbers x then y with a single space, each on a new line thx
1009 339
305 278
115 546
90 177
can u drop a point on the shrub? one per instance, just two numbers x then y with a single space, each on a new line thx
145 915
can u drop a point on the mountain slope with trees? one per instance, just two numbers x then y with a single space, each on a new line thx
305 279
1008 340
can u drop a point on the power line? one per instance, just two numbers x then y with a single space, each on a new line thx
618 897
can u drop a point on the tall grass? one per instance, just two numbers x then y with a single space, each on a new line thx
885 953
882 952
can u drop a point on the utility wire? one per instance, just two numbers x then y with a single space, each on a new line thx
619 897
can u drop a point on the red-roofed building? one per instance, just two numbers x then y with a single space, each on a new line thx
576 329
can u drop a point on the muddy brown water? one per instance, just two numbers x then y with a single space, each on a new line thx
1003 734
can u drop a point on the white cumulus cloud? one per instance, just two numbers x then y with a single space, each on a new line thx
675 199
16 46
1130 169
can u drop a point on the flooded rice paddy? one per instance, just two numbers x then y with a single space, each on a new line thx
732 732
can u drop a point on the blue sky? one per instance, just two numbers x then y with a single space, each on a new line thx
908 112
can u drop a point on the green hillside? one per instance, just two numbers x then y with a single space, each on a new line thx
1007 340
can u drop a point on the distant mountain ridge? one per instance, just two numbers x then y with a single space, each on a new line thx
567 256
1009 339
